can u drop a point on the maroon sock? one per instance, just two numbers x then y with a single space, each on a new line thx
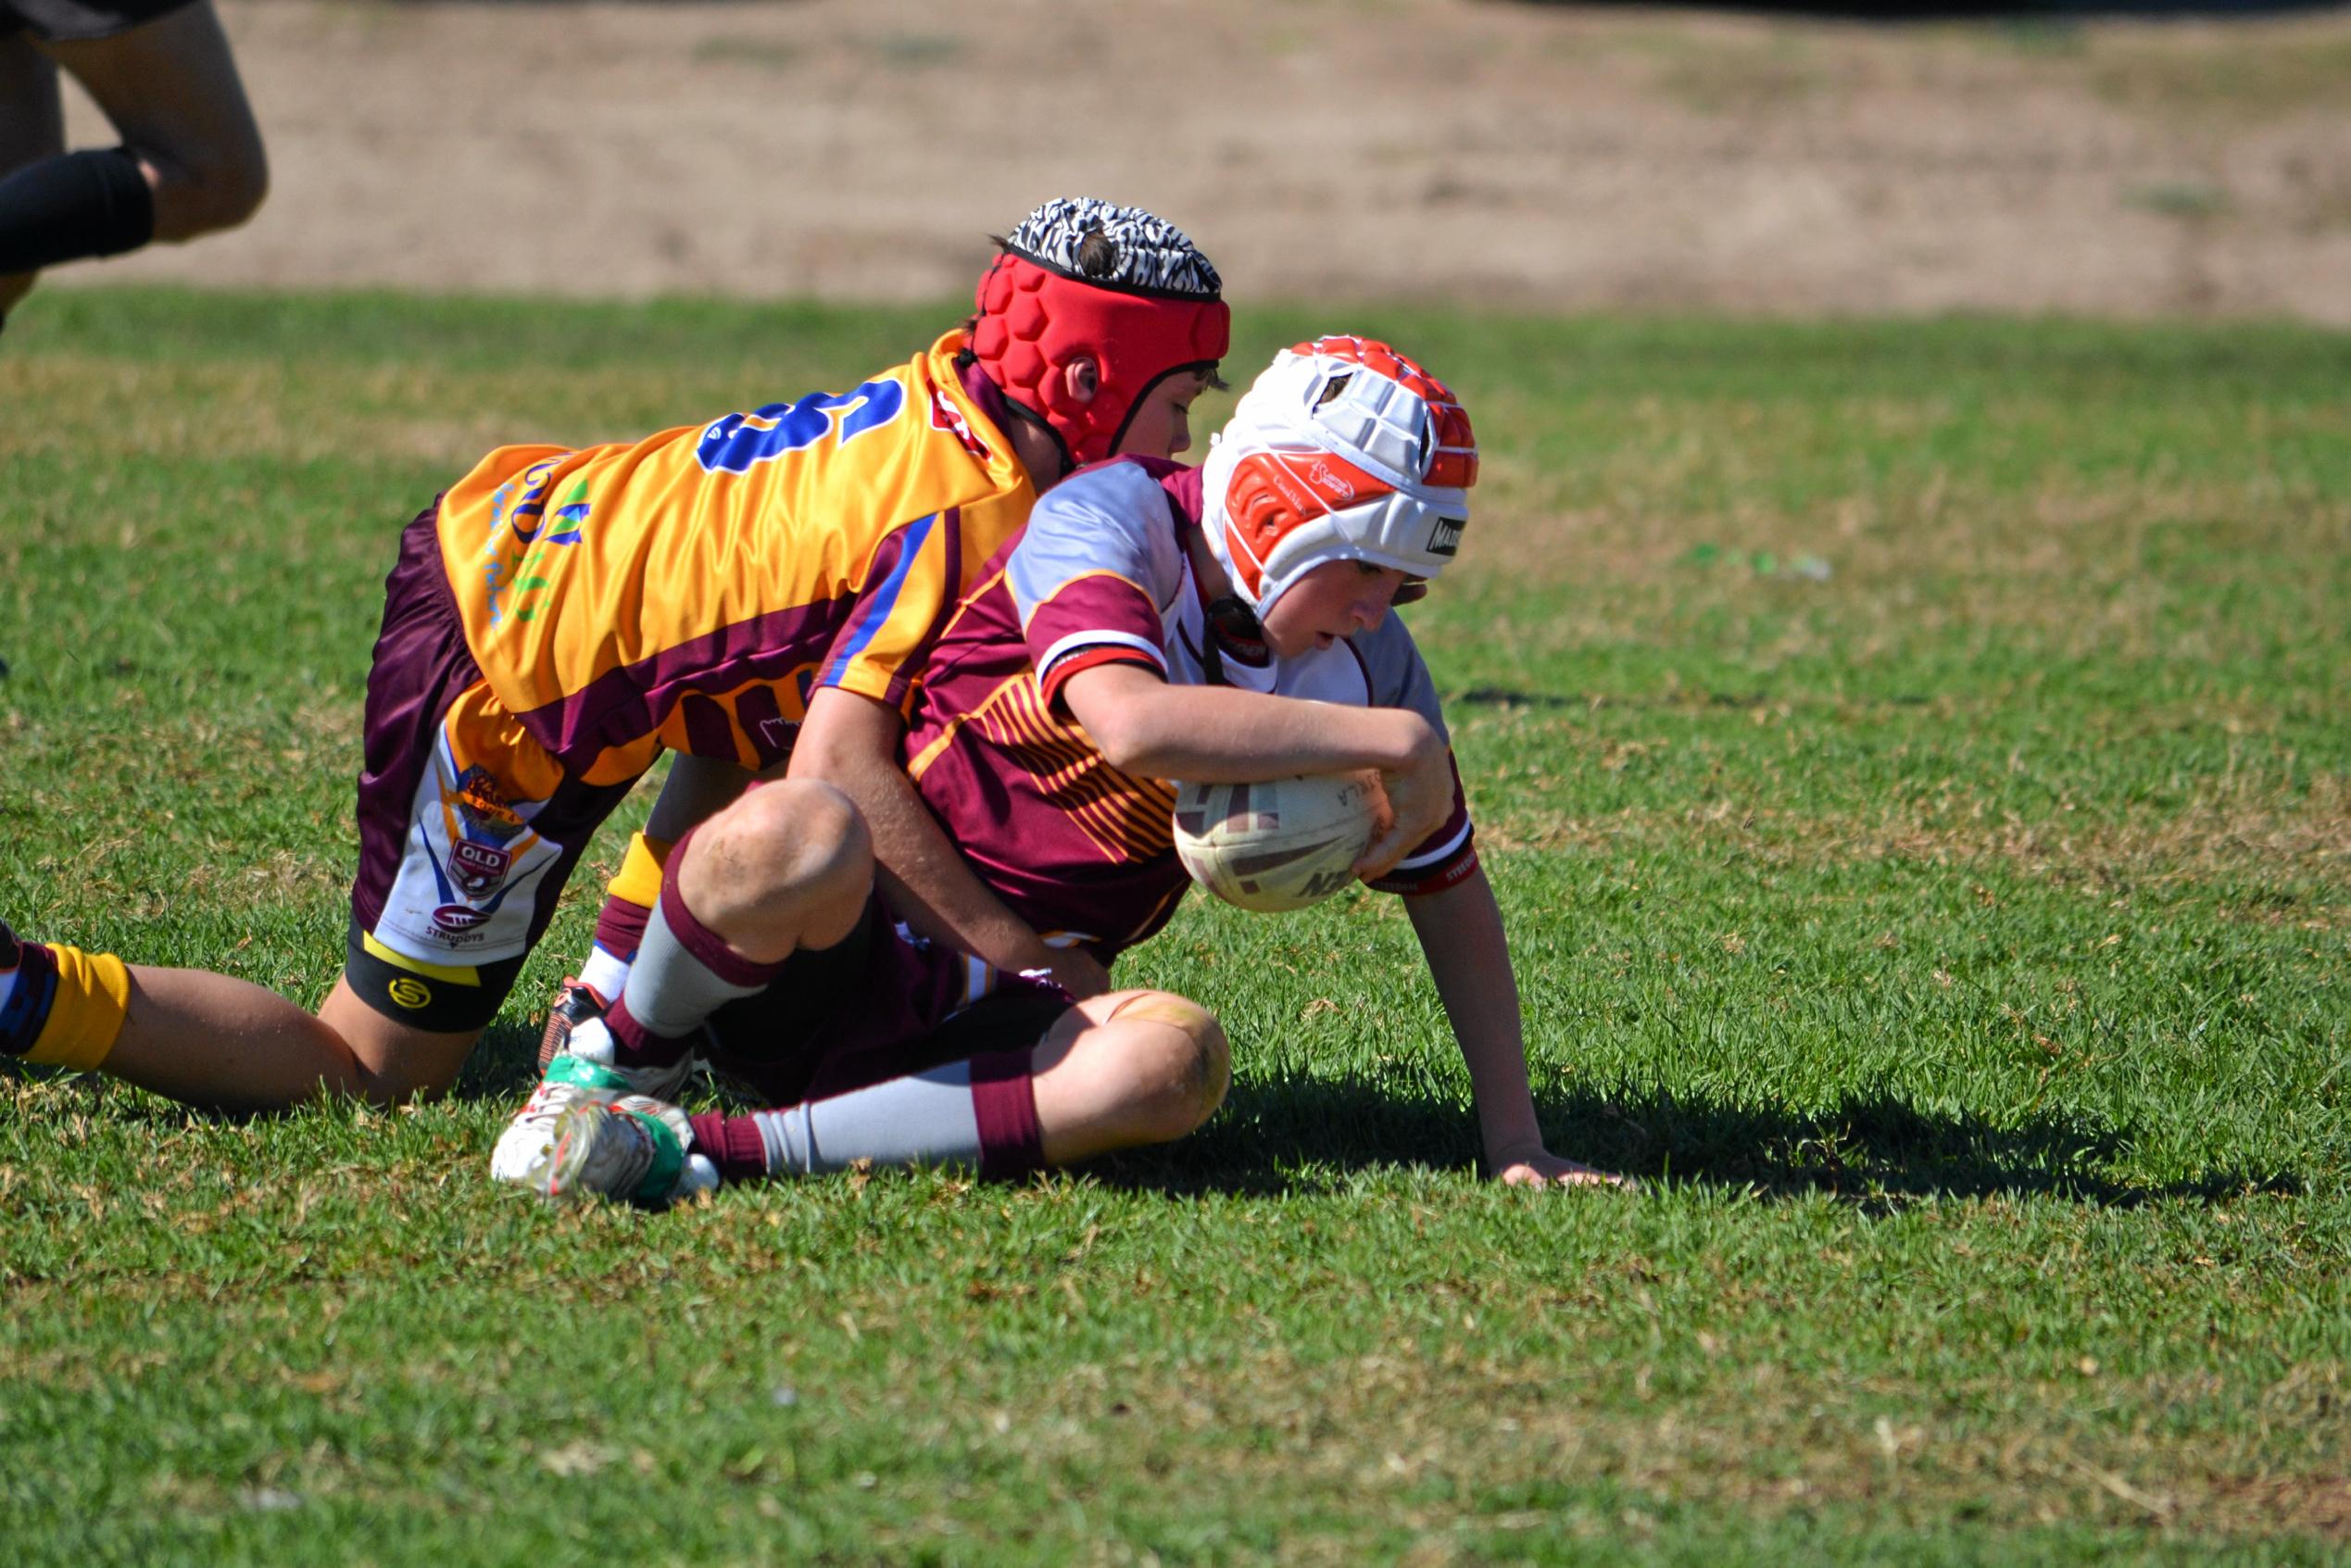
635 1045
733 1144
1005 1101
830 1133
684 972
620 927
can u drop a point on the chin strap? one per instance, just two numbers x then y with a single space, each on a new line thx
1030 416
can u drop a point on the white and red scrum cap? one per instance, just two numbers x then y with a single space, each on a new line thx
1343 450
1081 278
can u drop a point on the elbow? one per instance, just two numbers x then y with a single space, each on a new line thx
1128 717
1128 742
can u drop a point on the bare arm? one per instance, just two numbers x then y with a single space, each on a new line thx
850 741
1214 735
1461 934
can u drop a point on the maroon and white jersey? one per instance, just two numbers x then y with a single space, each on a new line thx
1081 851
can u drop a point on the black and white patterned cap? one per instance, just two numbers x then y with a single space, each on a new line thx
1153 255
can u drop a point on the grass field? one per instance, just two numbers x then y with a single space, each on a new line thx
1914 761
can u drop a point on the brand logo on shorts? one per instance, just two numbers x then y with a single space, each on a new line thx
1445 538
479 869
458 917
409 994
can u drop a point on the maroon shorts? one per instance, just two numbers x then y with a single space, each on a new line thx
883 1004
454 885
69 22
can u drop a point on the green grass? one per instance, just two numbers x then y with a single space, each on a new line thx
1913 760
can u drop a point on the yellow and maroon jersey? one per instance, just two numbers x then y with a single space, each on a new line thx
1080 850
690 590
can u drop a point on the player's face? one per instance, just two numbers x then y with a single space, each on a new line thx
1333 600
1163 423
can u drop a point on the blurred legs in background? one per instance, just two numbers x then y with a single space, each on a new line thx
191 160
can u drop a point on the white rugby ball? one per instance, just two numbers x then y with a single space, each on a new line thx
1280 844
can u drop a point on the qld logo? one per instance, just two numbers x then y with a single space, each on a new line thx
455 918
477 869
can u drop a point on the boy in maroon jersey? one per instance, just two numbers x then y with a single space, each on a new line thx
1226 624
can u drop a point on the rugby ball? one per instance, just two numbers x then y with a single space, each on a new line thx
1280 844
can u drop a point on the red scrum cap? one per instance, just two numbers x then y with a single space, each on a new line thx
1085 279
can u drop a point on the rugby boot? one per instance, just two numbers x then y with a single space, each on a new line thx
586 1038
576 1001
585 1131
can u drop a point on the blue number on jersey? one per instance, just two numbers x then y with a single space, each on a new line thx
738 441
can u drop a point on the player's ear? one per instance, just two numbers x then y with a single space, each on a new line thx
1083 378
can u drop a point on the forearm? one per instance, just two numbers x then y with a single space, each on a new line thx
851 743
1213 734
926 880
1461 934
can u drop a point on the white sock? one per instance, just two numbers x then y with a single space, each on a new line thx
925 1120
605 973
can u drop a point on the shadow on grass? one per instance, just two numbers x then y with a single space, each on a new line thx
1875 1151
1305 1135
505 1064
1676 701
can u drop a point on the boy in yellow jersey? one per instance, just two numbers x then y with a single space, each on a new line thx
559 619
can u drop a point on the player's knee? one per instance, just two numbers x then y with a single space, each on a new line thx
220 188
1182 1064
238 190
796 840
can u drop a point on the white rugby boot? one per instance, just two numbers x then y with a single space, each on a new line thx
586 1130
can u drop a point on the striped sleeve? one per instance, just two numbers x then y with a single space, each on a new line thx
1091 574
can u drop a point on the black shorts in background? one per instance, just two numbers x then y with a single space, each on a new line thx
75 21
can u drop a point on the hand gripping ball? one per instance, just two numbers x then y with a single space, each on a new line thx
1280 844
